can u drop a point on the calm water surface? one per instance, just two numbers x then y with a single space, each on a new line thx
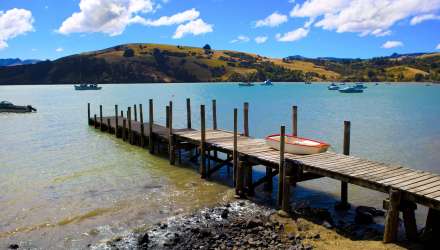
65 185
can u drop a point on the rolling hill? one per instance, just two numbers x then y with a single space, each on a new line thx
145 63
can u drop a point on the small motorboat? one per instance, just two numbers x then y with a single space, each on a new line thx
297 145
11 108
352 89
267 83
333 86
245 84
85 86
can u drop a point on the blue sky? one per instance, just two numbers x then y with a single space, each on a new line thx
49 29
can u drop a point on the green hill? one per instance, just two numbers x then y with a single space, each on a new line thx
142 63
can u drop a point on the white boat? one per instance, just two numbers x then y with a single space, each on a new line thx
333 86
297 145
267 83
92 86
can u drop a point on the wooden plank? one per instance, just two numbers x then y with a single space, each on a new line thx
422 185
426 176
402 178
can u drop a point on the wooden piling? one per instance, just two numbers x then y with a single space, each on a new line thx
239 188
248 179
130 133
188 113
150 127
202 142
214 122
268 185
167 116
124 128
135 113
295 121
409 219
281 165
235 151
88 113
100 117
246 118
285 204
108 125
95 121
343 205
141 117
392 217
171 146
116 120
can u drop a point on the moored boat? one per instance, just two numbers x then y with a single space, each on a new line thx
83 86
352 89
297 145
268 82
11 108
245 84
360 86
333 86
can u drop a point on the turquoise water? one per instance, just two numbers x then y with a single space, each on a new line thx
63 184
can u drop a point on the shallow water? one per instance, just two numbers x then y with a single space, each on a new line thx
63 184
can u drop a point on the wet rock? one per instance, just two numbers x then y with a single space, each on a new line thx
13 246
363 216
371 210
144 240
225 213
163 226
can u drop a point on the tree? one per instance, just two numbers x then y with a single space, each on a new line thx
207 47
418 77
128 53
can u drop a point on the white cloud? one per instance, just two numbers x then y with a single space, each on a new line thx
419 19
260 39
293 35
438 46
59 49
392 44
275 19
178 18
195 27
14 22
366 17
240 39
106 16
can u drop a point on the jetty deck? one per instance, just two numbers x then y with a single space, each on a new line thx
216 148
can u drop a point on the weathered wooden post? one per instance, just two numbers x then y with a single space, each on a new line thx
116 120
141 117
202 142
214 121
172 152
248 178
108 125
188 113
281 165
239 189
295 121
100 117
167 116
130 135
343 205
135 113
392 217
246 119
235 150
95 121
150 127
285 205
409 219
268 185
88 113
124 128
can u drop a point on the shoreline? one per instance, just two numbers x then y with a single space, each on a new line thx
243 224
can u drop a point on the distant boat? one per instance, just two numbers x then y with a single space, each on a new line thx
245 84
333 86
360 86
307 82
297 145
352 89
9 107
377 83
268 82
84 86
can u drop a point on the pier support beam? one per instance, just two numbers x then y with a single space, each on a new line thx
235 150
392 217
281 166
124 129
130 133
141 116
108 125
100 117
116 121
246 118
150 127
188 113
95 122
295 121
202 142
268 185
88 113
171 146
239 187
248 177
214 121
343 204
135 113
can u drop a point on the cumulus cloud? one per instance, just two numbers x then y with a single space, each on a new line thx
59 49
14 22
195 27
419 19
106 16
240 39
275 19
438 46
178 18
260 39
392 44
293 35
366 17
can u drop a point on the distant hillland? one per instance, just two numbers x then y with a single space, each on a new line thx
146 63
16 61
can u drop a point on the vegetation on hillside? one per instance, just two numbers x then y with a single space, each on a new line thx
133 63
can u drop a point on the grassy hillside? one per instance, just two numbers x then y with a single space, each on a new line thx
171 63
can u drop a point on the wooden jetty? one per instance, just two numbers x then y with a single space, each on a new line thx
215 148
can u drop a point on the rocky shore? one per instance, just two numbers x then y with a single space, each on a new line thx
245 225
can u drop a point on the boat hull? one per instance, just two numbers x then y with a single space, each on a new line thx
296 145
17 109
87 88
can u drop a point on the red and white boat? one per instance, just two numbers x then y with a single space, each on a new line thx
297 145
